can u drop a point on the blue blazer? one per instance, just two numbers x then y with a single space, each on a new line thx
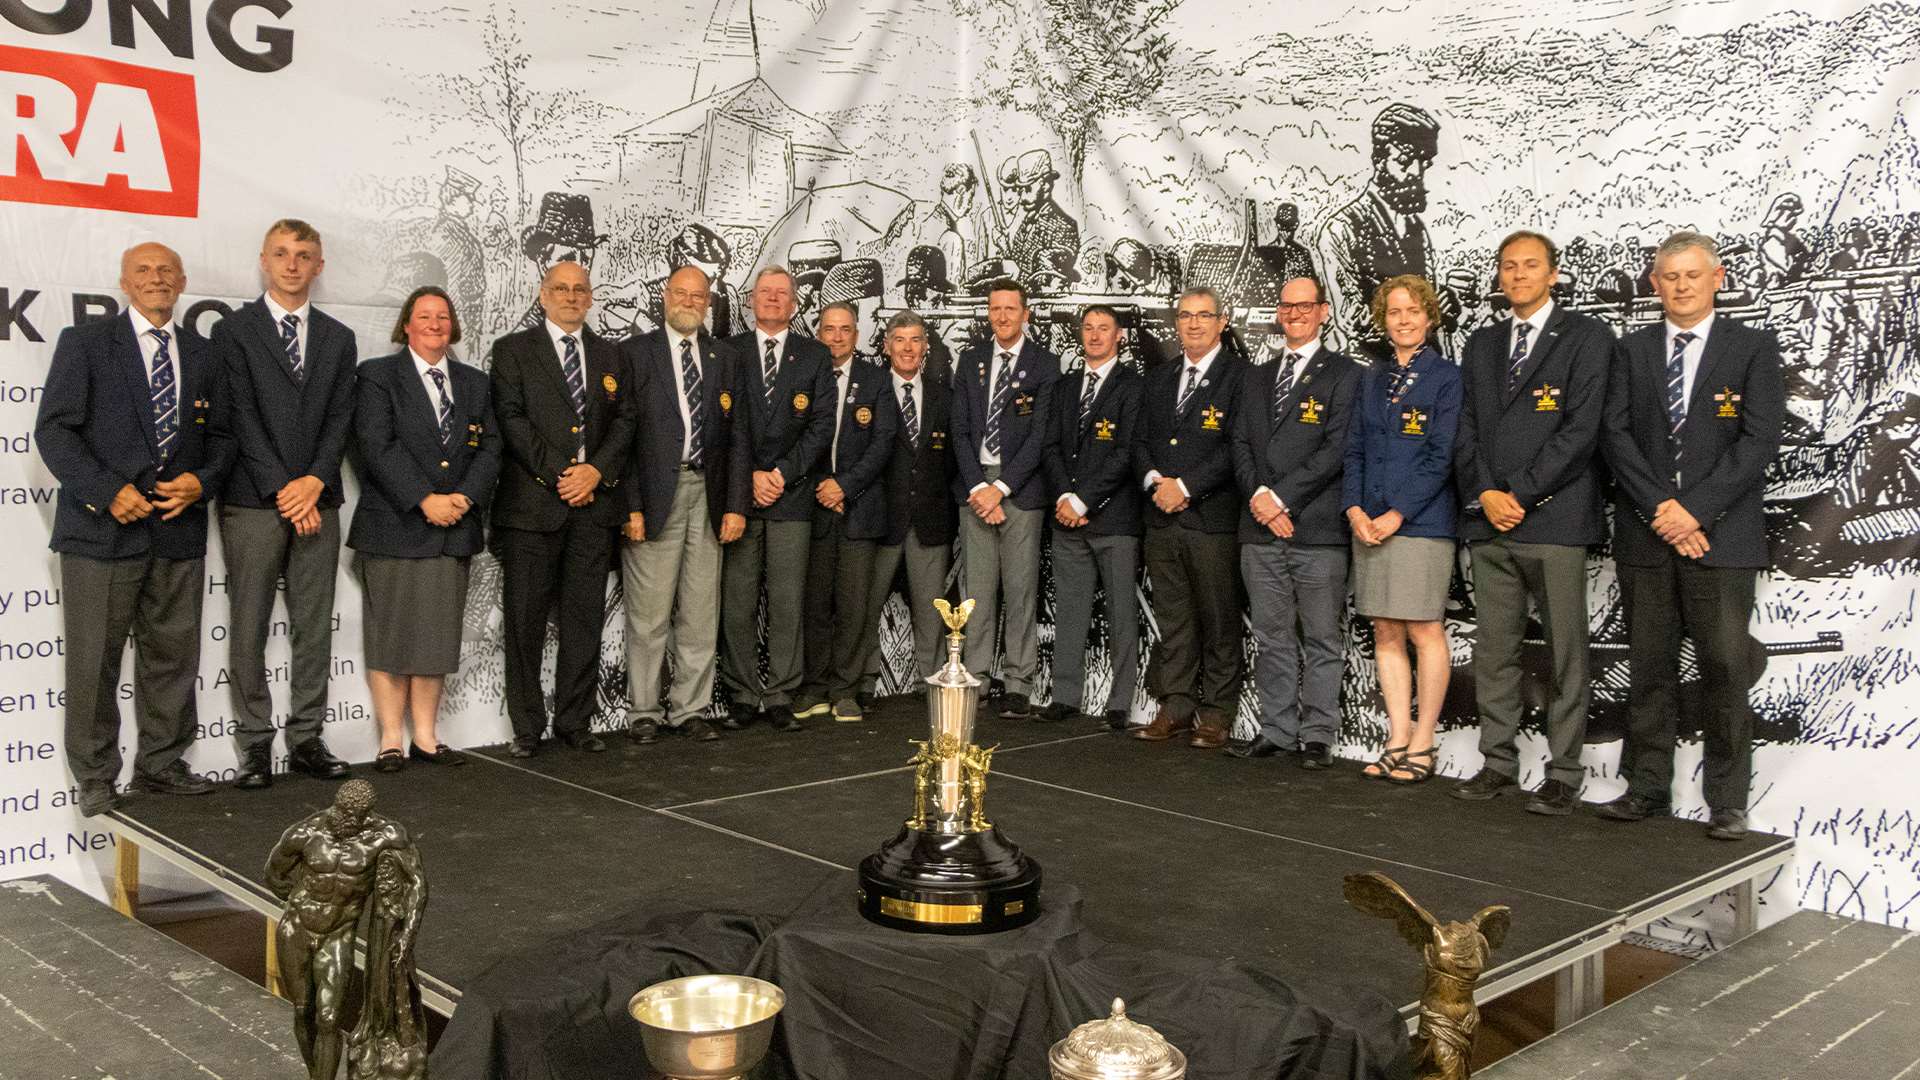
397 450
660 435
792 433
1024 430
1300 458
1400 453
1094 460
868 429
284 430
95 432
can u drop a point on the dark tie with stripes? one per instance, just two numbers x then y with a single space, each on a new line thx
445 407
1283 385
910 414
1186 391
1087 396
1519 358
290 340
166 399
1002 389
696 415
769 371
576 388
1677 384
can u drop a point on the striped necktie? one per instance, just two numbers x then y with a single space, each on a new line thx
910 414
576 386
1283 385
445 407
1677 384
696 415
1002 390
1186 391
769 371
1087 396
290 340
1519 358
166 400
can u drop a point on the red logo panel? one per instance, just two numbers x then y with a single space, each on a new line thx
81 131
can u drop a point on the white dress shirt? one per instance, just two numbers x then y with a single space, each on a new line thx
1200 368
304 313
1538 320
760 338
674 338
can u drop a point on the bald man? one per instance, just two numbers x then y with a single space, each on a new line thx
127 426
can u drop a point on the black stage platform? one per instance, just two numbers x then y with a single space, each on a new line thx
1181 850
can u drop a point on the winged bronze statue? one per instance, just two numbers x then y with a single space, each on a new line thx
1455 953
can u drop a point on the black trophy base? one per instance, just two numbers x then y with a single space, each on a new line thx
933 883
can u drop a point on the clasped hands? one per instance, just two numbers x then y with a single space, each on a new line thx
299 503
445 510
985 501
768 486
1268 512
577 484
1168 496
1679 528
1374 531
175 496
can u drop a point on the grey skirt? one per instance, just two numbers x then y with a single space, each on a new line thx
410 611
1405 578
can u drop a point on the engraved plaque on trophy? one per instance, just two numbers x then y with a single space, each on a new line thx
949 871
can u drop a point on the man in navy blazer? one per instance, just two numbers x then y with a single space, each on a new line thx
789 409
849 519
921 518
1002 390
1289 447
130 426
290 370
567 415
1527 463
1096 520
1184 454
1693 419
688 491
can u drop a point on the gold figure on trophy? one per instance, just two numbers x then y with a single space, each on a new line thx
926 774
974 763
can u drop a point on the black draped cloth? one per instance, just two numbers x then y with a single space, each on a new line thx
868 1003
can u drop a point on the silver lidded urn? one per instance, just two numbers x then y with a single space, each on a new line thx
1115 1049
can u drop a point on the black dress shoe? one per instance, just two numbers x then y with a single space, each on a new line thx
439 755
1257 747
175 779
390 760
738 717
586 742
256 770
1316 755
1117 719
1485 784
1053 714
1015 707
1632 808
1728 825
1554 798
782 719
97 797
524 746
699 730
644 732
313 758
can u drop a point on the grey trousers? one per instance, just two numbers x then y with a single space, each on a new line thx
1297 596
927 568
261 548
1001 574
157 601
1506 574
671 585
1080 563
839 575
773 553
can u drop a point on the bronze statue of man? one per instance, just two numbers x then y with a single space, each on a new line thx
325 870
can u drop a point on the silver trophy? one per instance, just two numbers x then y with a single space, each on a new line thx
707 1027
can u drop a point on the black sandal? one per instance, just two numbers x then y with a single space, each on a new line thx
1387 762
1421 773
392 759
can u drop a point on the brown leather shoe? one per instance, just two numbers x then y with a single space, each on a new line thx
1208 737
1164 726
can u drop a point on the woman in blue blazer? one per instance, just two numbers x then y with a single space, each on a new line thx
428 454
1399 499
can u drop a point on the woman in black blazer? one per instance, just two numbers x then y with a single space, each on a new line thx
428 455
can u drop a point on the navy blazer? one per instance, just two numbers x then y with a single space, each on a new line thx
1094 460
1024 430
398 453
1400 453
1194 446
792 432
869 426
95 433
1539 442
923 474
1301 458
284 430
541 430
653 373
1732 433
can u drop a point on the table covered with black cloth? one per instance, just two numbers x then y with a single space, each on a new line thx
869 1003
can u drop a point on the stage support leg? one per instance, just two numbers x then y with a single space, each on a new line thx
1746 908
1579 990
126 878
274 986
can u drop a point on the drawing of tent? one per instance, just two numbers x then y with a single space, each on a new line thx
734 157
866 219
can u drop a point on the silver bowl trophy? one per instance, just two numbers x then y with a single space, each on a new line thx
1115 1049
949 871
707 1027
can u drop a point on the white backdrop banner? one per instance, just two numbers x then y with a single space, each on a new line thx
892 151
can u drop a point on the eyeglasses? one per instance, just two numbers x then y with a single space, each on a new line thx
570 290
1299 309
1196 316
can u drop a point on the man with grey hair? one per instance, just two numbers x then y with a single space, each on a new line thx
1193 514
849 518
921 516
1694 410
687 496
785 380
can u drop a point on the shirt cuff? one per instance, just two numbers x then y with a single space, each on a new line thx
1152 478
1079 508
1002 485
1265 490
1182 485
975 489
